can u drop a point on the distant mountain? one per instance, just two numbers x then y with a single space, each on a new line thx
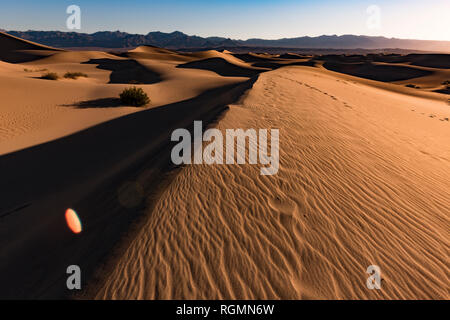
352 42
117 39
179 40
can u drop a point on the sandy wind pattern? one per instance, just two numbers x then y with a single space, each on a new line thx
363 180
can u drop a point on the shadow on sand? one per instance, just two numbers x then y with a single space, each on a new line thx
127 71
221 67
85 171
384 73
97 103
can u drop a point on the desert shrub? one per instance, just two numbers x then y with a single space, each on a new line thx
412 86
74 75
50 76
446 83
134 97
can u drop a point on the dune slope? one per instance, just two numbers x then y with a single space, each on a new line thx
85 171
364 180
15 50
72 143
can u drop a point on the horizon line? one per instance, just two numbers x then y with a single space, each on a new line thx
252 38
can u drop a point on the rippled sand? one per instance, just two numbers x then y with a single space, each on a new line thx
364 180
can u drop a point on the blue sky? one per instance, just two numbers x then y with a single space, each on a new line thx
413 19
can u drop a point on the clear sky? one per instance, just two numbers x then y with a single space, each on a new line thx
237 19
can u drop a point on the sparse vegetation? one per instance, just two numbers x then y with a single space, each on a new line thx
75 75
50 76
446 83
134 97
412 86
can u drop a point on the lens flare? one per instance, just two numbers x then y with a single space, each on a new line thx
73 222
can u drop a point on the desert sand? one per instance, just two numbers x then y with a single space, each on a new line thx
35 111
364 179
364 176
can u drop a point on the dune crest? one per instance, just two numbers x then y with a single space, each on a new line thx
18 50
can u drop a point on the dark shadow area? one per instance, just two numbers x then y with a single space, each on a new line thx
126 71
342 58
85 171
221 67
41 78
25 55
308 63
385 73
16 50
444 91
251 58
388 58
97 103
441 61
274 65
269 65
292 56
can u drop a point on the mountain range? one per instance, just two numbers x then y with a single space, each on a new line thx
179 40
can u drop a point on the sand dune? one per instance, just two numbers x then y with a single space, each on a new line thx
216 54
429 60
8 67
379 72
364 179
127 71
223 67
364 176
74 57
252 57
154 53
52 109
293 56
427 72
64 143
83 171
19 50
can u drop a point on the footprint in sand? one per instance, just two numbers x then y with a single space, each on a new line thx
287 209
347 106
290 218
282 205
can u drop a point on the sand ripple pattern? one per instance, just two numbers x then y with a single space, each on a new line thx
354 189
